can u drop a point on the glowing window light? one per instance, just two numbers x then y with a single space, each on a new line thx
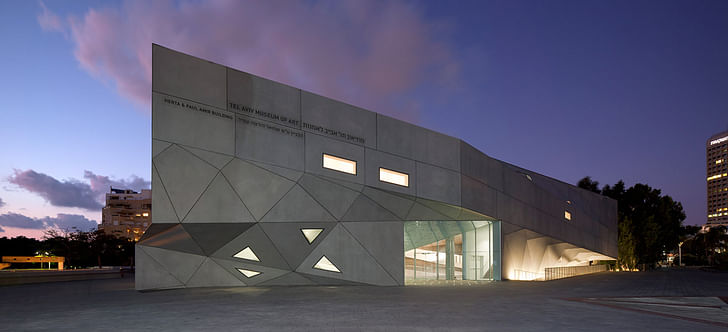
717 176
719 161
718 141
248 254
339 164
394 177
326 265
248 273
311 233
567 215
145 214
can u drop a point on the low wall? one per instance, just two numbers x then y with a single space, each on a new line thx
20 277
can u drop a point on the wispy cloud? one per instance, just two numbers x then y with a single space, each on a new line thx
367 53
49 21
73 193
2 203
61 221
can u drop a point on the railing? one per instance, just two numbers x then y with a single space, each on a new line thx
553 273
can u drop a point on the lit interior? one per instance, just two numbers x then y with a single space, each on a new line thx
340 164
311 233
450 250
248 254
390 176
249 273
326 265
567 215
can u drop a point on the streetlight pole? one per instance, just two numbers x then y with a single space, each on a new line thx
679 251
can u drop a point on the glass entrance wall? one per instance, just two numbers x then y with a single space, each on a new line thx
451 250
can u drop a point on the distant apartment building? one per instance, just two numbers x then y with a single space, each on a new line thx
127 213
717 172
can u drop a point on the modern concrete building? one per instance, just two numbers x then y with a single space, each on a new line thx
127 213
716 155
259 183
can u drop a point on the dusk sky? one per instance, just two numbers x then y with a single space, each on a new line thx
611 89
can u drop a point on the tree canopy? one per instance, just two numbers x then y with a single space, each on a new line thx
649 223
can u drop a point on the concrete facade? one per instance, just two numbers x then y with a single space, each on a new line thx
127 213
237 168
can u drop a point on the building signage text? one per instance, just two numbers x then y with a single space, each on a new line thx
294 122
193 107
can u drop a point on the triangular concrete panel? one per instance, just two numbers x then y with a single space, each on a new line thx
450 211
159 146
184 176
289 279
218 160
351 185
266 273
297 205
212 236
210 274
292 245
421 212
219 204
150 274
287 173
394 203
335 198
324 281
259 189
153 230
174 238
384 241
179 264
364 209
259 243
354 262
466 214
163 212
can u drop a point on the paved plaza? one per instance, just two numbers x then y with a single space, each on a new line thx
687 300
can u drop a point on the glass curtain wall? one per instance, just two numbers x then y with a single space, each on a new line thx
451 250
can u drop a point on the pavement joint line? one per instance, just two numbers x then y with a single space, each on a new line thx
698 320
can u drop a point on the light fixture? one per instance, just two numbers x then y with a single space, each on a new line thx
311 233
326 265
567 215
394 177
339 164
248 273
248 254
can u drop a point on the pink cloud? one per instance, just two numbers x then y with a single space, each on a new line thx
48 20
365 53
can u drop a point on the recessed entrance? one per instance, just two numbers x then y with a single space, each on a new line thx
451 250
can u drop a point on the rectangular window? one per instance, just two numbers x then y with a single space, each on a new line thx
340 164
394 177
567 215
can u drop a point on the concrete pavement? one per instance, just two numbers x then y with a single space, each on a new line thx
510 306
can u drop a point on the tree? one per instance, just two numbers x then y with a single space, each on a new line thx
648 222
588 184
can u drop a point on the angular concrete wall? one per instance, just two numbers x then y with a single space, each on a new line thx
237 168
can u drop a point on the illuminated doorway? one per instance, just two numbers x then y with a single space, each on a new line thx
451 250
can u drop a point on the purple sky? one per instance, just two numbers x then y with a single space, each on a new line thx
615 89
